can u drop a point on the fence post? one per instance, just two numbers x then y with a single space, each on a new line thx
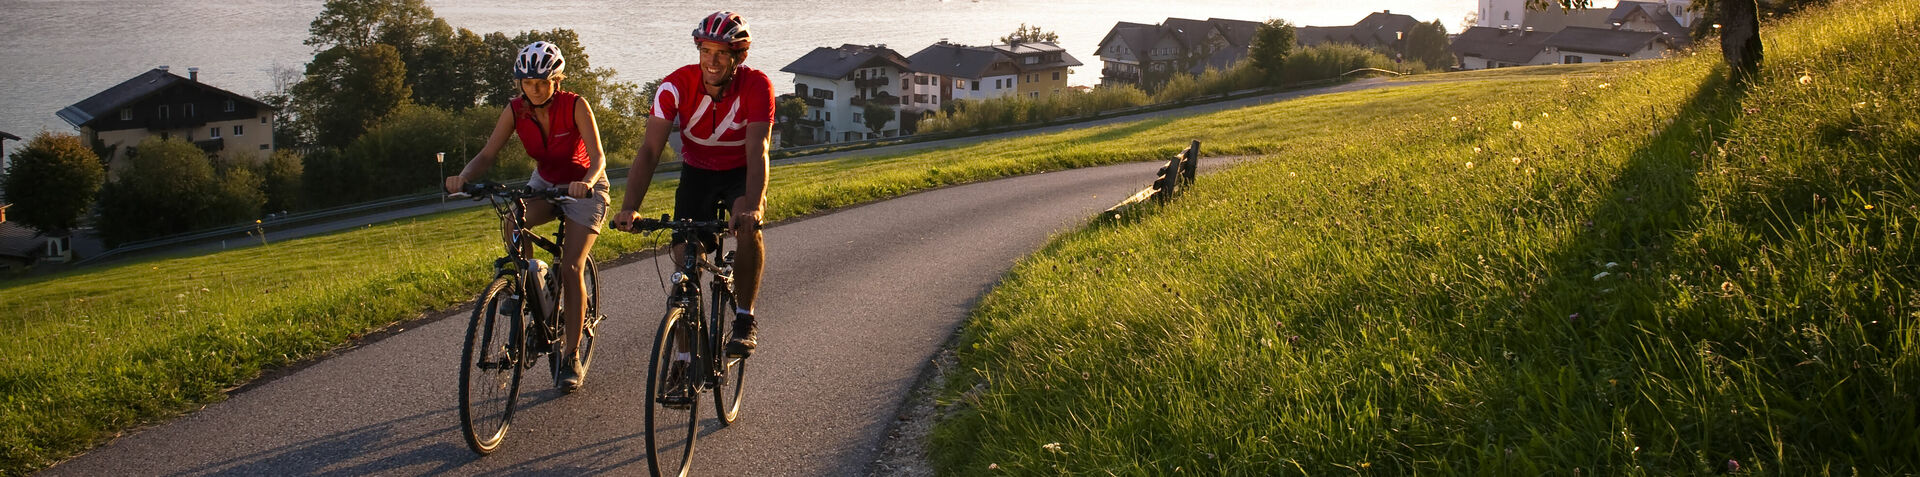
1192 166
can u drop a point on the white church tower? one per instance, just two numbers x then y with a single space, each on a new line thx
1502 13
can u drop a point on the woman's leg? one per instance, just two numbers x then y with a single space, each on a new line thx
573 267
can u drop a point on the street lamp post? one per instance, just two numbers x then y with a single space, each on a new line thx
1401 57
441 159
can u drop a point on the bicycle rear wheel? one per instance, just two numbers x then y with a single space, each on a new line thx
490 366
673 402
726 396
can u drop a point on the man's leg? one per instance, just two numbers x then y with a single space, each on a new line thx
749 259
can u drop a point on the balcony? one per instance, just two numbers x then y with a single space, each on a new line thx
812 123
813 102
874 82
1118 75
883 100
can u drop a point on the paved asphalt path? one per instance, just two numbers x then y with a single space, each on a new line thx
857 303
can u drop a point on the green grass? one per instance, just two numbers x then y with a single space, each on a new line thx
1636 270
88 354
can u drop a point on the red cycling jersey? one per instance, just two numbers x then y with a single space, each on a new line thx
713 134
559 155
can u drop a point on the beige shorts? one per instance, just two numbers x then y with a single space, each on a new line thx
591 211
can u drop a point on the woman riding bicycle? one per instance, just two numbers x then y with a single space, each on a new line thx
558 130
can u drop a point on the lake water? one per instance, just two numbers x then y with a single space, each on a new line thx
54 53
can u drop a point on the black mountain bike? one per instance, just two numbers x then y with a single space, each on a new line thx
517 317
689 356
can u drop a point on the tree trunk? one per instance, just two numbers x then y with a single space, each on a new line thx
1740 36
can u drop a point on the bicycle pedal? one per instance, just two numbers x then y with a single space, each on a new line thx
679 403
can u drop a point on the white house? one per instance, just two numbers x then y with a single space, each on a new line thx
1630 31
837 84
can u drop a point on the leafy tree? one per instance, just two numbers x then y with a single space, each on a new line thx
1272 42
784 113
51 182
1030 34
347 89
170 186
1427 44
453 71
280 180
876 116
1739 33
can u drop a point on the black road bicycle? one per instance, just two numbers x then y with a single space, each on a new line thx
689 357
516 320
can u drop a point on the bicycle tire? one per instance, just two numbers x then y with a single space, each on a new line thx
664 437
476 421
589 327
726 406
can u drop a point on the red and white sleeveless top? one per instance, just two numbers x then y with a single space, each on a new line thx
713 134
559 155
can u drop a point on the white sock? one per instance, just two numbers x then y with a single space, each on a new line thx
738 310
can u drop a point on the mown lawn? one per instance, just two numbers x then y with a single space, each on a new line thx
1638 269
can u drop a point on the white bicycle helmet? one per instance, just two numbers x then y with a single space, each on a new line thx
540 60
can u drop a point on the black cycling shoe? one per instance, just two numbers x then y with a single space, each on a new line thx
571 376
743 341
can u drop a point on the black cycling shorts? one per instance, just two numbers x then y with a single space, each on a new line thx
704 195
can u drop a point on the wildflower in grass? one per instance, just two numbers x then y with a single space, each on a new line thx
1454 119
1543 114
993 466
1869 206
1469 164
1806 79
1573 317
1605 85
1733 466
1053 447
1476 149
1601 275
1516 159
1516 124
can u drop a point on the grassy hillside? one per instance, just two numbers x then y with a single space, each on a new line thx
86 355
1639 269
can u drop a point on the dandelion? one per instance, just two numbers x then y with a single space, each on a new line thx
1366 465
1806 79
1516 124
1869 206
1476 149
1516 160
1469 164
1454 119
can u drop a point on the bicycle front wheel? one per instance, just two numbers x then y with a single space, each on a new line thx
589 328
490 366
726 395
672 396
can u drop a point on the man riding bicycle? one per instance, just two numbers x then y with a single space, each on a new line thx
557 128
725 112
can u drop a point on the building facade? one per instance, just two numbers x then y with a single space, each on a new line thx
160 103
1630 31
838 83
1145 56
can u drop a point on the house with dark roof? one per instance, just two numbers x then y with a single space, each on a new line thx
962 72
838 83
1514 14
1382 30
1147 55
1482 48
160 103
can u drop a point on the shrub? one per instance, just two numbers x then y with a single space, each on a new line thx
170 186
51 182
281 179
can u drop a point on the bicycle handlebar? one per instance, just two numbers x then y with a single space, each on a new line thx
478 190
665 223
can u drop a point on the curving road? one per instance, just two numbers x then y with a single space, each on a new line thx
857 302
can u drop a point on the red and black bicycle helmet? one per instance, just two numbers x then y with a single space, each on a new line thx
725 28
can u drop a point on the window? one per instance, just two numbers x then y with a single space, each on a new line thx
856 118
215 133
976 85
936 81
1031 60
825 94
263 120
165 112
1606 60
126 114
1034 95
263 147
1509 15
229 106
920 80
237 131
1571 59
188 108
800 90
826 115
936 100
1056 76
